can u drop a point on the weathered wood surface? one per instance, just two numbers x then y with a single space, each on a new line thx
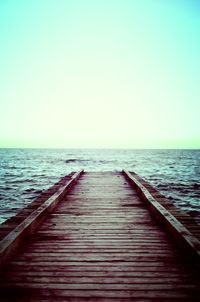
100 244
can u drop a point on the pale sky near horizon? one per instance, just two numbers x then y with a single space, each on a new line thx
100 74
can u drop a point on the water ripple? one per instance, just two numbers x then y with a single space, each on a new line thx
25 173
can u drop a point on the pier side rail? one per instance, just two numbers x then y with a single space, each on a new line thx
183 237
13 240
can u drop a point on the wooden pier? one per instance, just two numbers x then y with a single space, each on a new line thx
100 237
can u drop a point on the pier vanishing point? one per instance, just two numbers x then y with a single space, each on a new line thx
100 236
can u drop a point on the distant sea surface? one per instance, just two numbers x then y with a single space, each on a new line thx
25 173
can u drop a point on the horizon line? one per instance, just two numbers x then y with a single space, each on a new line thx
105 148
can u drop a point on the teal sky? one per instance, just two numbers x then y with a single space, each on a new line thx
100 73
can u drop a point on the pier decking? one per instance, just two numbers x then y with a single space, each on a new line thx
100 241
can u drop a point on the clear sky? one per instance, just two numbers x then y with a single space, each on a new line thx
100 73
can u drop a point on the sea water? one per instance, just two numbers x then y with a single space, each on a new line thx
25 173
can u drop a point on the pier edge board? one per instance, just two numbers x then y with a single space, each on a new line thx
11 223
10 243
183 237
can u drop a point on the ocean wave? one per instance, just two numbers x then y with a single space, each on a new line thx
33 191
73 160
182 188
90 161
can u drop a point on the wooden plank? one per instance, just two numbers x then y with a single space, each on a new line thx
86 299
99 257
93 294
78 247
100 244
66 240
95 250
100 286
135 263
101 235
154 280
144 267
26 272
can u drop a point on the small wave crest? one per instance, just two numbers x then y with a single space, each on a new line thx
88 161
71 160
